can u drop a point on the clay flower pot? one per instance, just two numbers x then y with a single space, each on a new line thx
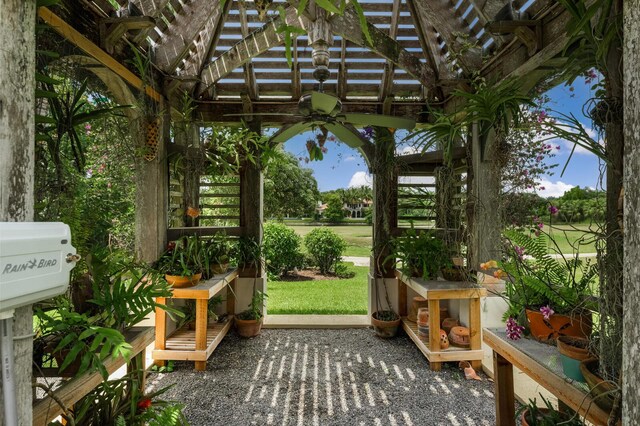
385 329
601 391
219 268
572 350
449 323
545 330
248 328
453 274
459 336
178 281
418 303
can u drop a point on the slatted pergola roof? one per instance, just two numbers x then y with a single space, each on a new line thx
231 57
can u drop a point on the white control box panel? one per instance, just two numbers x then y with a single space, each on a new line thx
35 261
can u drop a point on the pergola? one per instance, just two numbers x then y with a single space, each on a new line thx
230 57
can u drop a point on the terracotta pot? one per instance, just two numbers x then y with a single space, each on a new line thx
178 281
444 340
219 268
598 387
453 274
459 336
572 350
558 325
385 329
449 323
525 415
248 328
423 315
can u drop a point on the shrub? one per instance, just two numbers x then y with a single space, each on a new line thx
325 248
281 248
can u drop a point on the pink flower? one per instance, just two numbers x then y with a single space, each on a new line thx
519 251
514 331
546 312
553 210
324 149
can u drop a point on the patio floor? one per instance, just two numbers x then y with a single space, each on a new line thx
325 377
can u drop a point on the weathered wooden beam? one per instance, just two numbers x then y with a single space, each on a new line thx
528 31
387 78
112 29
182 31
296 77
250 76
218 112
250 47
441 15
342 70
432 157
348 26
150 7
86 45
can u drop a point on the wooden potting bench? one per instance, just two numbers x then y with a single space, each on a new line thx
435 291
195 345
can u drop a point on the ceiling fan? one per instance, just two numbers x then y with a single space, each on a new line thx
319 110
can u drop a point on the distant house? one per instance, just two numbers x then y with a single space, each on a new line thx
320 208
357 210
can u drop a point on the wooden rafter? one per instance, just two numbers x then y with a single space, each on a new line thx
348 26
187 25
250 47
249 74
387 79
296 77
440 14
342 70
151 8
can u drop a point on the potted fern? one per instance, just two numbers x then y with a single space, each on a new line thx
550 295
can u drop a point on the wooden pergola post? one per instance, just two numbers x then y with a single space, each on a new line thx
484 217
253 194
17 145
152 197
631 349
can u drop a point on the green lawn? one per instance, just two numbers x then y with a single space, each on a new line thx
570 237
358 237
323 297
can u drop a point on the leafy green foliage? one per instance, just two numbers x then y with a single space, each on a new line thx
255 307
289 190
421 253
536 279
184 257
444 131
226 149
218 249
281 249
325 248
334 212
546 415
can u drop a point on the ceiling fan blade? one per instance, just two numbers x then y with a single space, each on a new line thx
323 103
348 135
287 132
379 120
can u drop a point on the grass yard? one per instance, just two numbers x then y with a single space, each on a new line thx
567 236
358 237
322 297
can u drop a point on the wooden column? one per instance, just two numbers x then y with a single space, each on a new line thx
505 398
17 139
483 210
187 136
152 198
631 350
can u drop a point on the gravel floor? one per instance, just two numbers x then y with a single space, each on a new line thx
325 377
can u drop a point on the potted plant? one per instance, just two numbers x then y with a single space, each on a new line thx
189 312
249 257
218 252
81 337
181 264
422 254
573 350
604 391
531 415
249 322
551 296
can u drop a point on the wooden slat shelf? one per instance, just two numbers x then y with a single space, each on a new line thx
182 343
195 345
435 291
452 353
71 391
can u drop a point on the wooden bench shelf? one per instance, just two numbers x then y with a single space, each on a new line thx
195 345
541 362
72 390
434 291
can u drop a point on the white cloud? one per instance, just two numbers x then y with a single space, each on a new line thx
360 179
407 150
350 158
552 189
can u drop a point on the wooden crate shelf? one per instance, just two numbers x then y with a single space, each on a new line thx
195 345
434 291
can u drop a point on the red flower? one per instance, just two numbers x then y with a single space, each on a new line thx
144 404
171 246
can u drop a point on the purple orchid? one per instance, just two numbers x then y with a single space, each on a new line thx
553 210
546 312
514 331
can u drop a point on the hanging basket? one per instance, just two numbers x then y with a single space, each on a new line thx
152 140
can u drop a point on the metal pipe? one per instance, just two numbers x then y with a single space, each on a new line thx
8 383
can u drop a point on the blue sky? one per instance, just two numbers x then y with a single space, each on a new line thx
343 166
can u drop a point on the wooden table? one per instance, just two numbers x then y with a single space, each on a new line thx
195 345
541 362
71 391
434 292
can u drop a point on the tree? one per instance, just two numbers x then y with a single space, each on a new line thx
335 209
289 190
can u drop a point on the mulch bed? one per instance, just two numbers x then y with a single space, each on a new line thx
307 275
